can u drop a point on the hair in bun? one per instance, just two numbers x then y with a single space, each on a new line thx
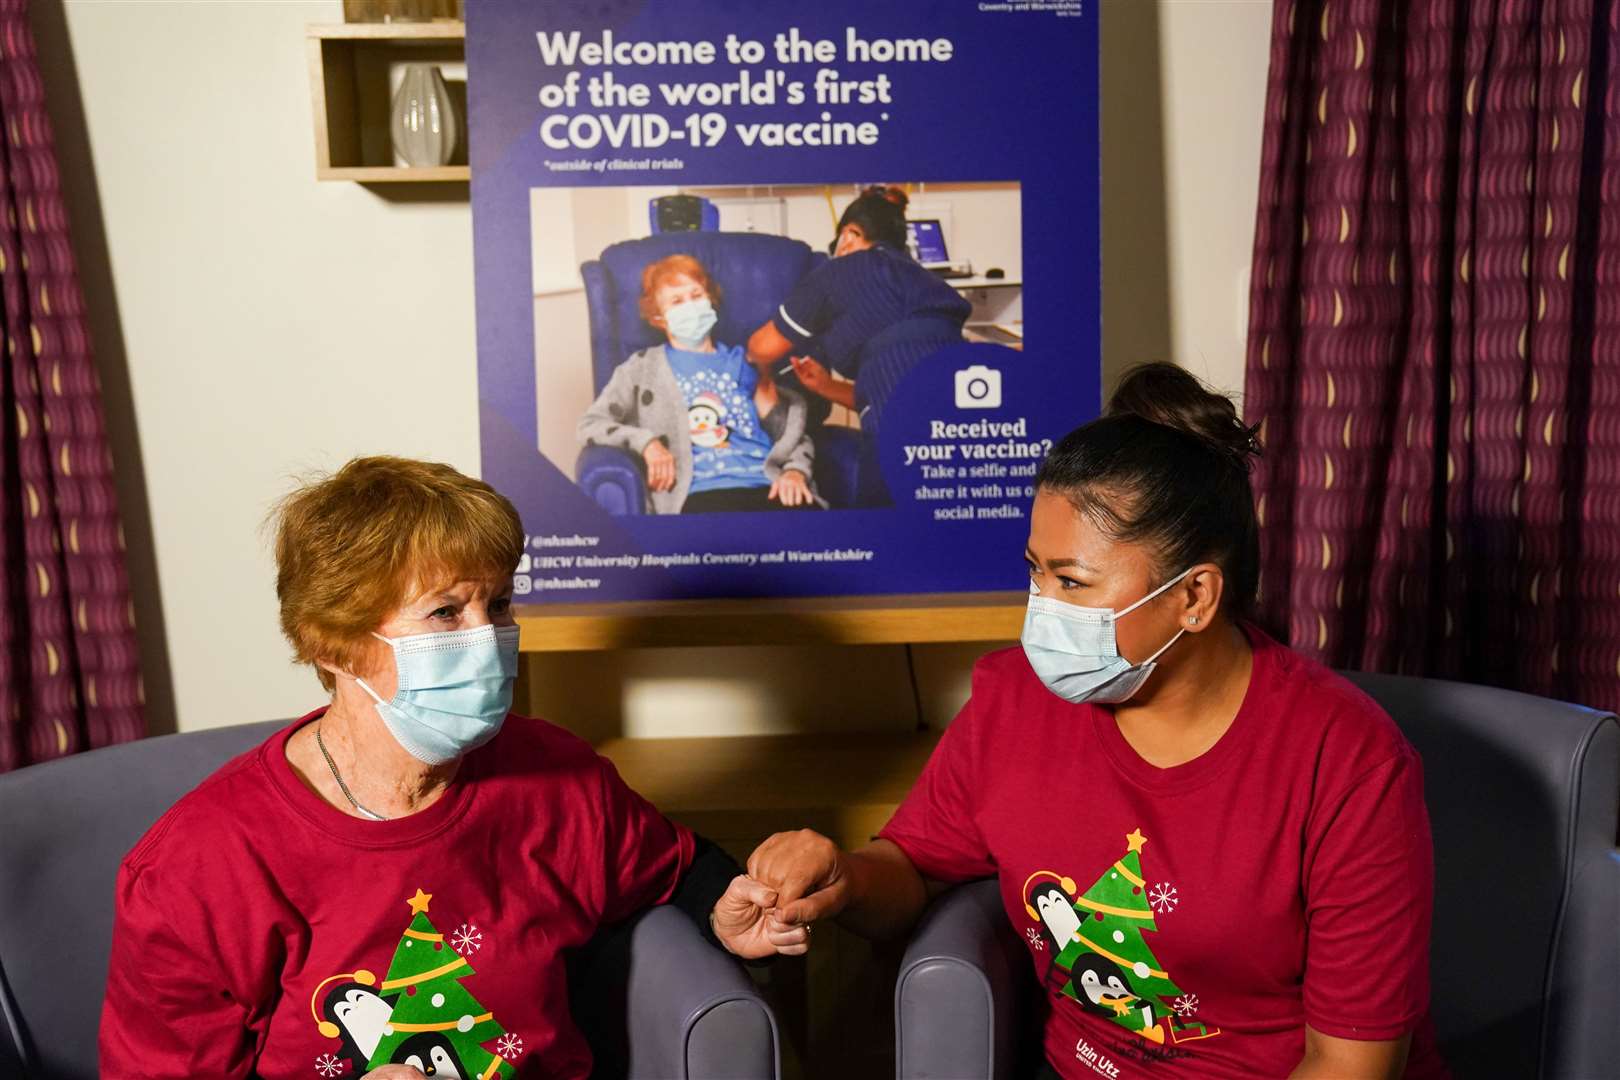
1175 397
880 214
1167 465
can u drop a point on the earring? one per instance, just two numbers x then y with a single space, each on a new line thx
1192 620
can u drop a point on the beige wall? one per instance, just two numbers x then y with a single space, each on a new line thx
252 324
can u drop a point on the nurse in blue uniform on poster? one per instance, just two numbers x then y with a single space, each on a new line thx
871 314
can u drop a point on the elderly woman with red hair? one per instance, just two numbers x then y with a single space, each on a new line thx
713 433
319 903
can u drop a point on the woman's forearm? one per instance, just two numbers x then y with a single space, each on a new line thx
886 893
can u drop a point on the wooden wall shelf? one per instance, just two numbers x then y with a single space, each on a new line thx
349 91
862 620
394 174
434 30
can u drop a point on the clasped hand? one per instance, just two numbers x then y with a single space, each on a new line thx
794 879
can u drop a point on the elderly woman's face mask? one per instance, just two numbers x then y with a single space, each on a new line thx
455 689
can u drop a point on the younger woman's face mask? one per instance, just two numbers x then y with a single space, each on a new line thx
689 323
1073 649
455 689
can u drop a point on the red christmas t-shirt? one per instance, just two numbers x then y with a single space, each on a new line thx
261 932
1191 921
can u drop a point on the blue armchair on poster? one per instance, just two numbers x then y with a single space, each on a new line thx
755 273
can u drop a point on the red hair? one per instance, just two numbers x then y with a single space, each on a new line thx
673 266
351 545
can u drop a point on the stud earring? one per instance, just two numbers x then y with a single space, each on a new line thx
1192 620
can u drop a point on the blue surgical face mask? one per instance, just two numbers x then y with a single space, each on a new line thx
455 689
1073 649
689 323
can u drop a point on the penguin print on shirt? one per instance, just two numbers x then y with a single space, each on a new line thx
431 1054
356 1014
705 414
422 1012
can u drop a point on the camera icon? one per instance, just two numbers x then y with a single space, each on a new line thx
522 585
978 387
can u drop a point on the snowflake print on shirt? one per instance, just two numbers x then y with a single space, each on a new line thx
1035 939
1185 1005
509 1046
419 1013
467 939
1103 962
1163 897
719 392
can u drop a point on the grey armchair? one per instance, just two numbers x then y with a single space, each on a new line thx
683 1010
1524 800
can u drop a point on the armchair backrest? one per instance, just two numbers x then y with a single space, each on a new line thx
755 272
1524 802
64 828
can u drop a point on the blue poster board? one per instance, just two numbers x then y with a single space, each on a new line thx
647 170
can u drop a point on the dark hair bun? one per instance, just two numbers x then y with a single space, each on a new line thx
895 195
880 213
1176 398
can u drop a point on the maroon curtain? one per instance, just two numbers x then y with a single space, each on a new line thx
69 675
1434 349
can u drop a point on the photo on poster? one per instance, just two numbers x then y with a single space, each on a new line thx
752 286
649 300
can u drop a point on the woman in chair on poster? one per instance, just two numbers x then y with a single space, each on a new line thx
388 886
1215 850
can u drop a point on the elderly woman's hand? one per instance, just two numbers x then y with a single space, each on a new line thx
791 489
744 923
660 466
395 1072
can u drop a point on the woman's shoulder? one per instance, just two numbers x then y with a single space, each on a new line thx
642 360
1004 685
533 735
529 746
206 818
1310 699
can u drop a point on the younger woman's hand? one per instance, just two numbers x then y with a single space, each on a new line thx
808 872
660 466
813 375
791 488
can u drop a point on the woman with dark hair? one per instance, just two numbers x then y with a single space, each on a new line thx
871 314
1215 848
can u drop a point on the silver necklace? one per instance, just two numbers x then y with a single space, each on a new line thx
330 764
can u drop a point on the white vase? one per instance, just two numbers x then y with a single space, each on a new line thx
424 126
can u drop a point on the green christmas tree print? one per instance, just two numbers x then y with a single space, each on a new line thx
434 1016
1109 965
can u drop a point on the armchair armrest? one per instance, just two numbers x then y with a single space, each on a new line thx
613 479
960 991
692 1010
687 1009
